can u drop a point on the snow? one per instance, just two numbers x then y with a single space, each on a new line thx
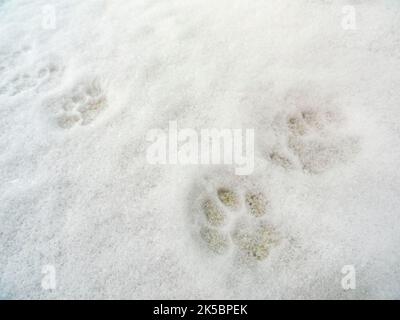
78 97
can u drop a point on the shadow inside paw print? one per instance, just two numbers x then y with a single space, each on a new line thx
82 105
314 141
236 222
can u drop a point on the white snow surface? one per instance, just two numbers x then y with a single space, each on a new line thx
76 103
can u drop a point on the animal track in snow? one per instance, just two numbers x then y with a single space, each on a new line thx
82 105
233 220
26 81
314 139
13 57
19 77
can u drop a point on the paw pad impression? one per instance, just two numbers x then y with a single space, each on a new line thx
232 221
315 139
82 105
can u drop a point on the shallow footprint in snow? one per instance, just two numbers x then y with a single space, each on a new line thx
256 203
236 220
313 137
254 241
215 239
82 105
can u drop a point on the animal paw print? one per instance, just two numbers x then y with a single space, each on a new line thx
31 78
314 139
237 222
11 58
82 105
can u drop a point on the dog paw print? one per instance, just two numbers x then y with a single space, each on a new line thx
233 221
82 105
314 140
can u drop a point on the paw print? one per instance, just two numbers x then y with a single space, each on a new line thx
236 221
314 138
39 76
255 241
82 105
13 57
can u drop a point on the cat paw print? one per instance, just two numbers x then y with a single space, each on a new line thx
20 73
314 139
11 58
82 105
236 221
39 77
